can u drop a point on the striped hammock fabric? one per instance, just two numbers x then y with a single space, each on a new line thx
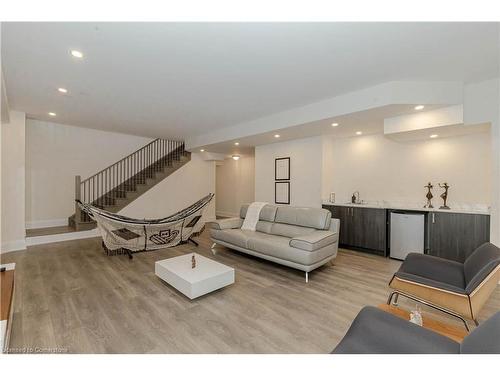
121 233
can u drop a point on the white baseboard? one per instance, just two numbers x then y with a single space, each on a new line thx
36 224
40 240
13 246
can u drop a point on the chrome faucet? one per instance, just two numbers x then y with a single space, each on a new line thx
355 197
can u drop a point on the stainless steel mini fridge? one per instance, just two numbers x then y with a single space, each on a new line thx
407 234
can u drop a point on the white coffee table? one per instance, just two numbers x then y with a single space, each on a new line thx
207 276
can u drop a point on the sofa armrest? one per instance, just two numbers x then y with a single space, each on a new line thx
230 223
314 241
334 225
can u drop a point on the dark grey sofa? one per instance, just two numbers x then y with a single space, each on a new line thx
374 331
299 237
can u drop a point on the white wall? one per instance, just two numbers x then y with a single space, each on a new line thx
495 145
4 104
2 121
235 184
182 188
55 154
305 171
13 182
383 169
482 105
495 211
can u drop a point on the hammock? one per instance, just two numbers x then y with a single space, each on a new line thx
123 234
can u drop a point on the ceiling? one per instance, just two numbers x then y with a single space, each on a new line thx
175 80
367 122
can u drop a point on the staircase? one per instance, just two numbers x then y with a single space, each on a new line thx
116 186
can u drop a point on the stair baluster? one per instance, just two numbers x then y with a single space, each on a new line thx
117 185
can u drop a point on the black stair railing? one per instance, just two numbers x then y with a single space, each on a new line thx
113 182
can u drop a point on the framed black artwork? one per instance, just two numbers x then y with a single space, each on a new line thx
282 169
282 192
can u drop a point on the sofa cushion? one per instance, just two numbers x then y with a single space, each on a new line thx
264 226
484 339
287 230
314 240
317 218
237 237
268 212
278 247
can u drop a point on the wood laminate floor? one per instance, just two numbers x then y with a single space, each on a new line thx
71 297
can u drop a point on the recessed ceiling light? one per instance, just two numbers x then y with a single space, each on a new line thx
62 90
434 136
236 143
335 124
202 150
236 157
52 114
419 107
277 136
76 54
359 133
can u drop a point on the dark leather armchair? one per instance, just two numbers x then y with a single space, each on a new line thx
459 289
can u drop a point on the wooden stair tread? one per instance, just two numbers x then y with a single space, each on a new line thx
49 231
